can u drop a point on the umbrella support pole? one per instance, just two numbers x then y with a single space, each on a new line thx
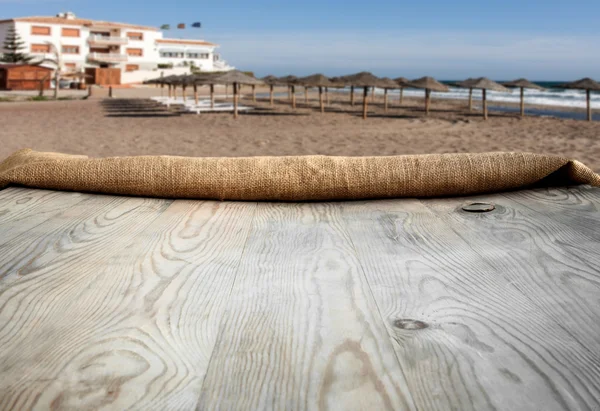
365 102
235 100
212 96
385 99
485 107
470 100
271 94
253 93
427 101
183 92
589 105
294 97
321 102
352 96
196 94
401 95
169 90
522 102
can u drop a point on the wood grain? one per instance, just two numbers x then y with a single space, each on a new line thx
302 331
22 208
129 322
487 344
128 303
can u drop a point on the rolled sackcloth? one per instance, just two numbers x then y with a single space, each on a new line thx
295 178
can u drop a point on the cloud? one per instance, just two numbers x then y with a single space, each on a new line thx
413 53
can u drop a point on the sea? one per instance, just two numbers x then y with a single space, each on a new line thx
551 97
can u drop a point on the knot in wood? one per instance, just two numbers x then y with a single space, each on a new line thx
408 324
479 207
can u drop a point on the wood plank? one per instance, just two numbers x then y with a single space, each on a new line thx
550 252
127 323
23 208
43 275
302 330
466 336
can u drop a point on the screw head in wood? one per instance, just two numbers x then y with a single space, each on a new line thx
479 207
408 324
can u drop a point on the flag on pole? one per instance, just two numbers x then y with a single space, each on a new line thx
197 25
181 26
165 27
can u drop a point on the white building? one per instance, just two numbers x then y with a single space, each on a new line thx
140 52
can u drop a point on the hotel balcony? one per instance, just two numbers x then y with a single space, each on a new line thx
107 41
107 57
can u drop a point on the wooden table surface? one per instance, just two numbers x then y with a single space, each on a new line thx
121 303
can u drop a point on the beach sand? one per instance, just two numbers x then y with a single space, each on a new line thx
127 125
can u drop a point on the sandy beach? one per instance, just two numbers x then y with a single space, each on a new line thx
131 125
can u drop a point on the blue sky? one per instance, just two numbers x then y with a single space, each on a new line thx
451 39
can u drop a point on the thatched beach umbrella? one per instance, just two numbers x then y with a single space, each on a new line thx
290 82
271 81
486 84
342 82
202 79
523 84
429 84
236 78
387 84
402 83
467 84
320 81
588 85
363 80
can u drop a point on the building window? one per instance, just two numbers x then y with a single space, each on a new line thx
40 48
70 49
200 56
135 36
172 54
41 30
70 32
132 67
135 52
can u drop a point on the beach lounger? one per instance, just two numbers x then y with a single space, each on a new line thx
218 108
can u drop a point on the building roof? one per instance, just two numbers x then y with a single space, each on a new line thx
78 22
9 65
186 42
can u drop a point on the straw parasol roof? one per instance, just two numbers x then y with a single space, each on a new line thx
583 84
236 77
429 83
483 83
271 80
316 80
362 79
588 85
365 80
402 81
523 83
387 83
289 80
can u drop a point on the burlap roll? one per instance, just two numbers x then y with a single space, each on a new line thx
293 178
